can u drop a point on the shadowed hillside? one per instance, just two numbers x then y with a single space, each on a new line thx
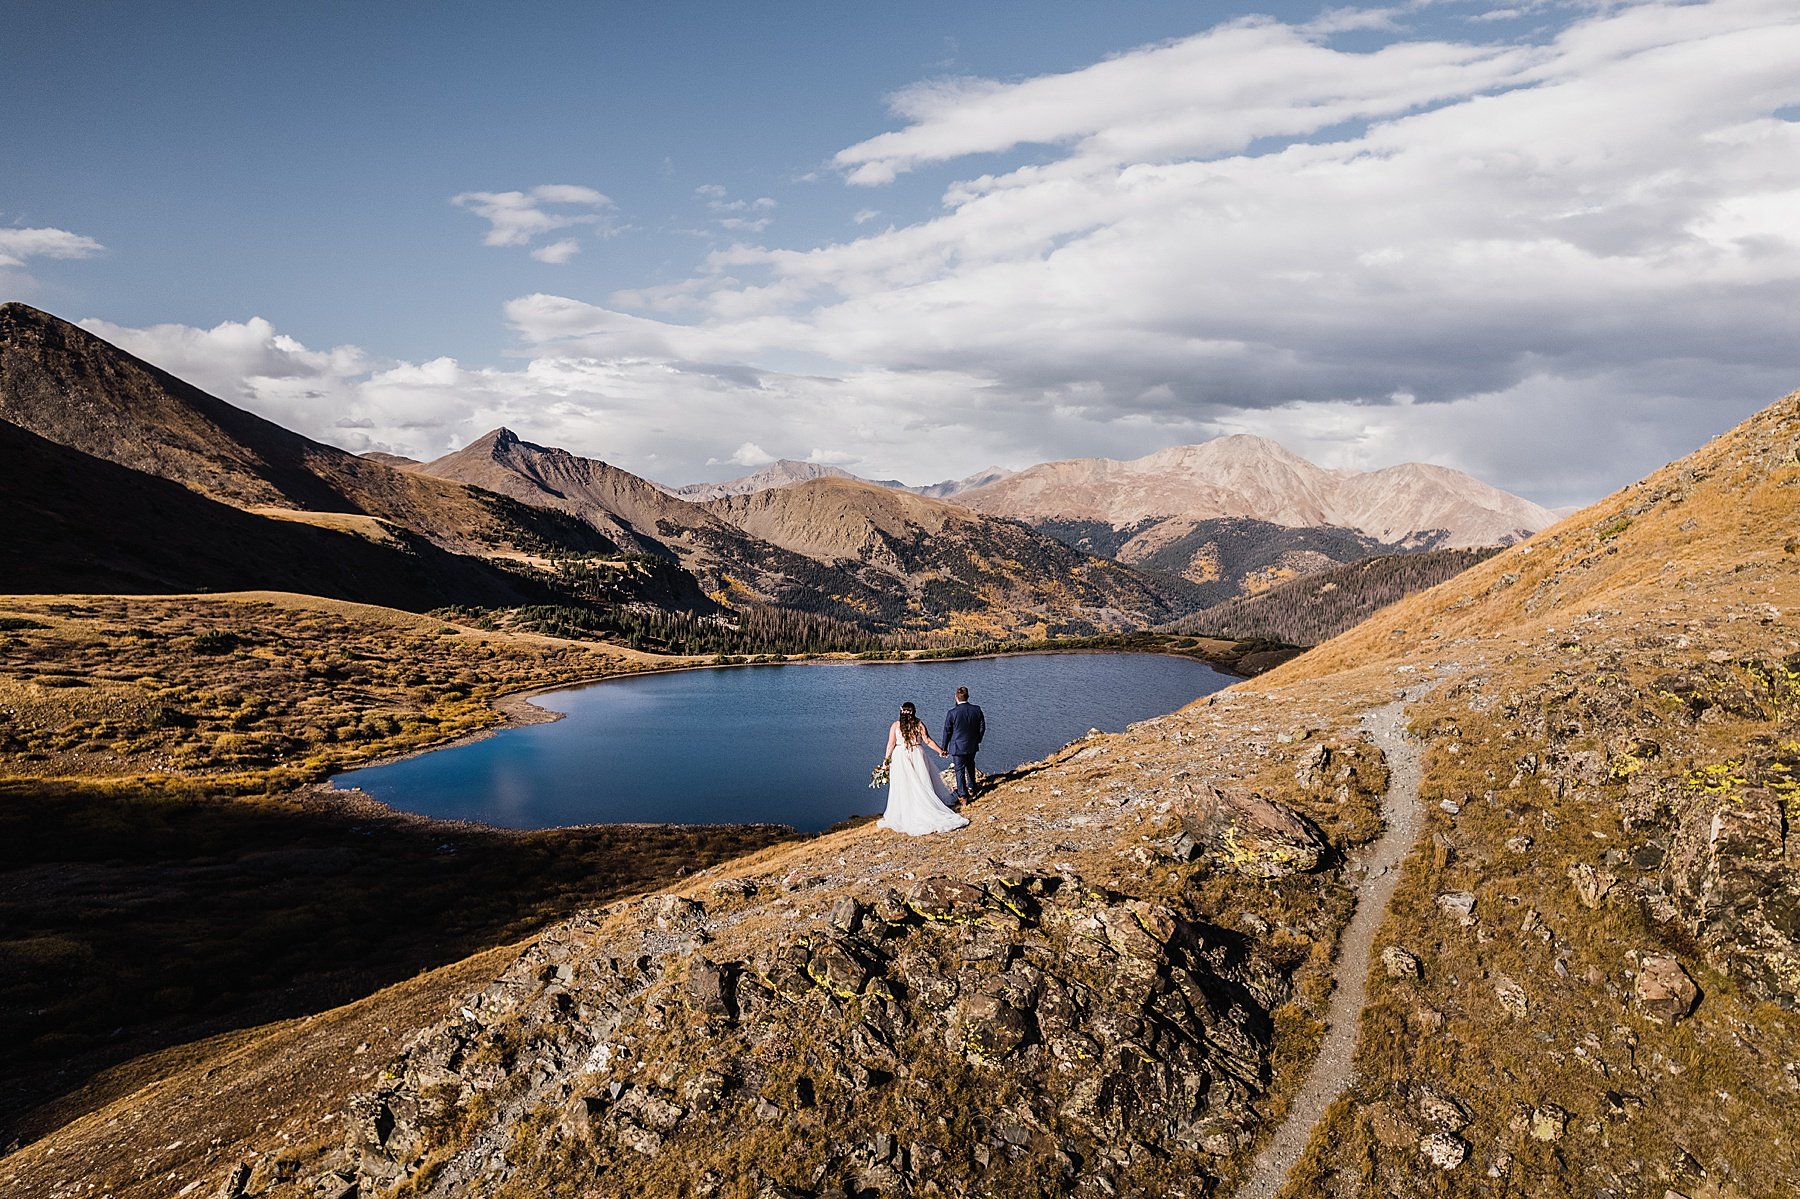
1318 607
950 566
72 388
79 523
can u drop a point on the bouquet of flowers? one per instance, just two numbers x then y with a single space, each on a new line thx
878 777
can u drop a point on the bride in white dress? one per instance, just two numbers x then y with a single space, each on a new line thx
916 794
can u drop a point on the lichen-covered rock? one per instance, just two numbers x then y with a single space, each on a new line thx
1444 1150
1118 1043
840 966
1441 1111
946 899
1401 963
707 989
989 1026
1546 1122
1663 990
1512 997
1254 835
1733 870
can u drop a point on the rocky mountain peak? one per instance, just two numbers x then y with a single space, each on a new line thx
1243 475
497 442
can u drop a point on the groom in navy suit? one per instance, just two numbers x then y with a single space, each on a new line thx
964 726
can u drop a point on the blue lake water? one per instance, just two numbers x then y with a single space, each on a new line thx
778 744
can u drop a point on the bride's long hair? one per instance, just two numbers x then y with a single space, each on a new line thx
910 728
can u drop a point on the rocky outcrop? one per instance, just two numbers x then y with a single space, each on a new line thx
1252 834
1094 1044
1734 871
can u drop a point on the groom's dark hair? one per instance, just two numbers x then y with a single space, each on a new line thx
962 694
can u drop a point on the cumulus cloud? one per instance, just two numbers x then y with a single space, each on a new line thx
517 218
662 418
1257 221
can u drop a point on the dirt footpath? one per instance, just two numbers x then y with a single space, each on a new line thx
1333 1070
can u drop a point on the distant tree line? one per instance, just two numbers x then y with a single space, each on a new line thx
750 630
1317 607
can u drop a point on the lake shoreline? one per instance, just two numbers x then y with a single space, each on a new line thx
1128 700
517 710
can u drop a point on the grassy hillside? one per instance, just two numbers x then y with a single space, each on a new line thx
165 877
1610 752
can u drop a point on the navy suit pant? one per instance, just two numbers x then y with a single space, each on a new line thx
964 765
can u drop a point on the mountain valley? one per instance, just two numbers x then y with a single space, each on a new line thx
1582 980
1586 980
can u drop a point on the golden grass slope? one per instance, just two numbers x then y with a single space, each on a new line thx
1606 694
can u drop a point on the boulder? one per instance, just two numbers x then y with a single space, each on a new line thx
677 914
847 914
1546 1122
1441 1111
1730 869
707 989
836 965
1458 904
1664 991
1444 1150
1512 997
1254 835
945 899
1401 963
988 1027
1591 886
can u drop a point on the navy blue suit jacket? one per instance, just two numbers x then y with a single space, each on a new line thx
964 726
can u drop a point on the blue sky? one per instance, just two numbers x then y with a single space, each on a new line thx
297 161
914 239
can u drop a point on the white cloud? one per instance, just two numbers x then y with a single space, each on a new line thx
557 252
516 218
864 216
17 245
730 214
748 454
1203 95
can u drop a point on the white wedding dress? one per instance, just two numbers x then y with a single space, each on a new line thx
916 795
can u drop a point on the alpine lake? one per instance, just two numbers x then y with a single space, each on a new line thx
780 744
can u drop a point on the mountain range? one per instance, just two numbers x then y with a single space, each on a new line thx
497 523
1231 516
1076 546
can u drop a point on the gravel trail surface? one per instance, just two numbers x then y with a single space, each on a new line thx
1333 1071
